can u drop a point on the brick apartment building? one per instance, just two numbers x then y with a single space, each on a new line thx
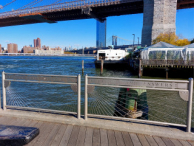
12 48
37 43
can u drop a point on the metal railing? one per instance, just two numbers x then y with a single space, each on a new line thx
185 89
74 81
110 105
158 62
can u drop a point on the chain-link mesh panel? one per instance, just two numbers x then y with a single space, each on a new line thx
44 96
154 105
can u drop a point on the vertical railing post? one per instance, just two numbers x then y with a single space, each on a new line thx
4 90
189 111
101 69
79 96
82 67
86 98
140 68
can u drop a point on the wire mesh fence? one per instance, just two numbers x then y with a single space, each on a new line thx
163 102
160 102
153 105
42 92
44 96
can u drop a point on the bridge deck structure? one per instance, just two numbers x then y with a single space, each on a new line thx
79 9
63 130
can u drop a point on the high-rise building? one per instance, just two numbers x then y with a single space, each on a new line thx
101 34
37 43
34 43
12 48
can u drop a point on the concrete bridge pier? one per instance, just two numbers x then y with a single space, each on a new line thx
159 17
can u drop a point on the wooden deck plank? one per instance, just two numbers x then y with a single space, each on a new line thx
143 140
59 135
89 135
38 125
127 139
32 124
176 142
4 120
96 137
119 138
191 142
66 136
135 139
19 122
10 121
167 141
159 141
81 136
7 120
74 136
85 136
151 140
103 137
111 138
51 135
26 123
184 143
44 134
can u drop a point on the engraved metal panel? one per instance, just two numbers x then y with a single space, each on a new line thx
43 78
184 95
138 83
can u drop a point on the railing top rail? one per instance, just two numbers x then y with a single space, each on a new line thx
40 75
40 78
137 79
152 84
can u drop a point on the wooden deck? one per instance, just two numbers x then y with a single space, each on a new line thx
55 134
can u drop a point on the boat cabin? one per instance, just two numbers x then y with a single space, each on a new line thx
111 54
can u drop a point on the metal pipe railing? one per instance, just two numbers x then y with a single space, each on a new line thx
169 85
190 102
46 79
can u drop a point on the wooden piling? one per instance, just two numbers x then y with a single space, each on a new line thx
167 72
82 67
140 73
101 70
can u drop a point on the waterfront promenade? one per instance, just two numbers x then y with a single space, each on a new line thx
63 130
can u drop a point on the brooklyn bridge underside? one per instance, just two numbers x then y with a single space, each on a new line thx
75 11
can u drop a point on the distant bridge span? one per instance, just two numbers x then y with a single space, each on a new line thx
79 9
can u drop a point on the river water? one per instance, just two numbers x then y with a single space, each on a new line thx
164 106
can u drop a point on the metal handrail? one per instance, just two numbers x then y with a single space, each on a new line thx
42 78
158 62
186 86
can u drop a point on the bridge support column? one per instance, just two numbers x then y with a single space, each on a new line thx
159 17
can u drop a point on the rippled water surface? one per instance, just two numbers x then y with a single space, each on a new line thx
163 106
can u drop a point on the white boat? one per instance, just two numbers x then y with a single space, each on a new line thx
111 57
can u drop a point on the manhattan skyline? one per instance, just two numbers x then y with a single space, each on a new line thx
82 33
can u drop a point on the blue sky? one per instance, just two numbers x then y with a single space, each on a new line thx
82 33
